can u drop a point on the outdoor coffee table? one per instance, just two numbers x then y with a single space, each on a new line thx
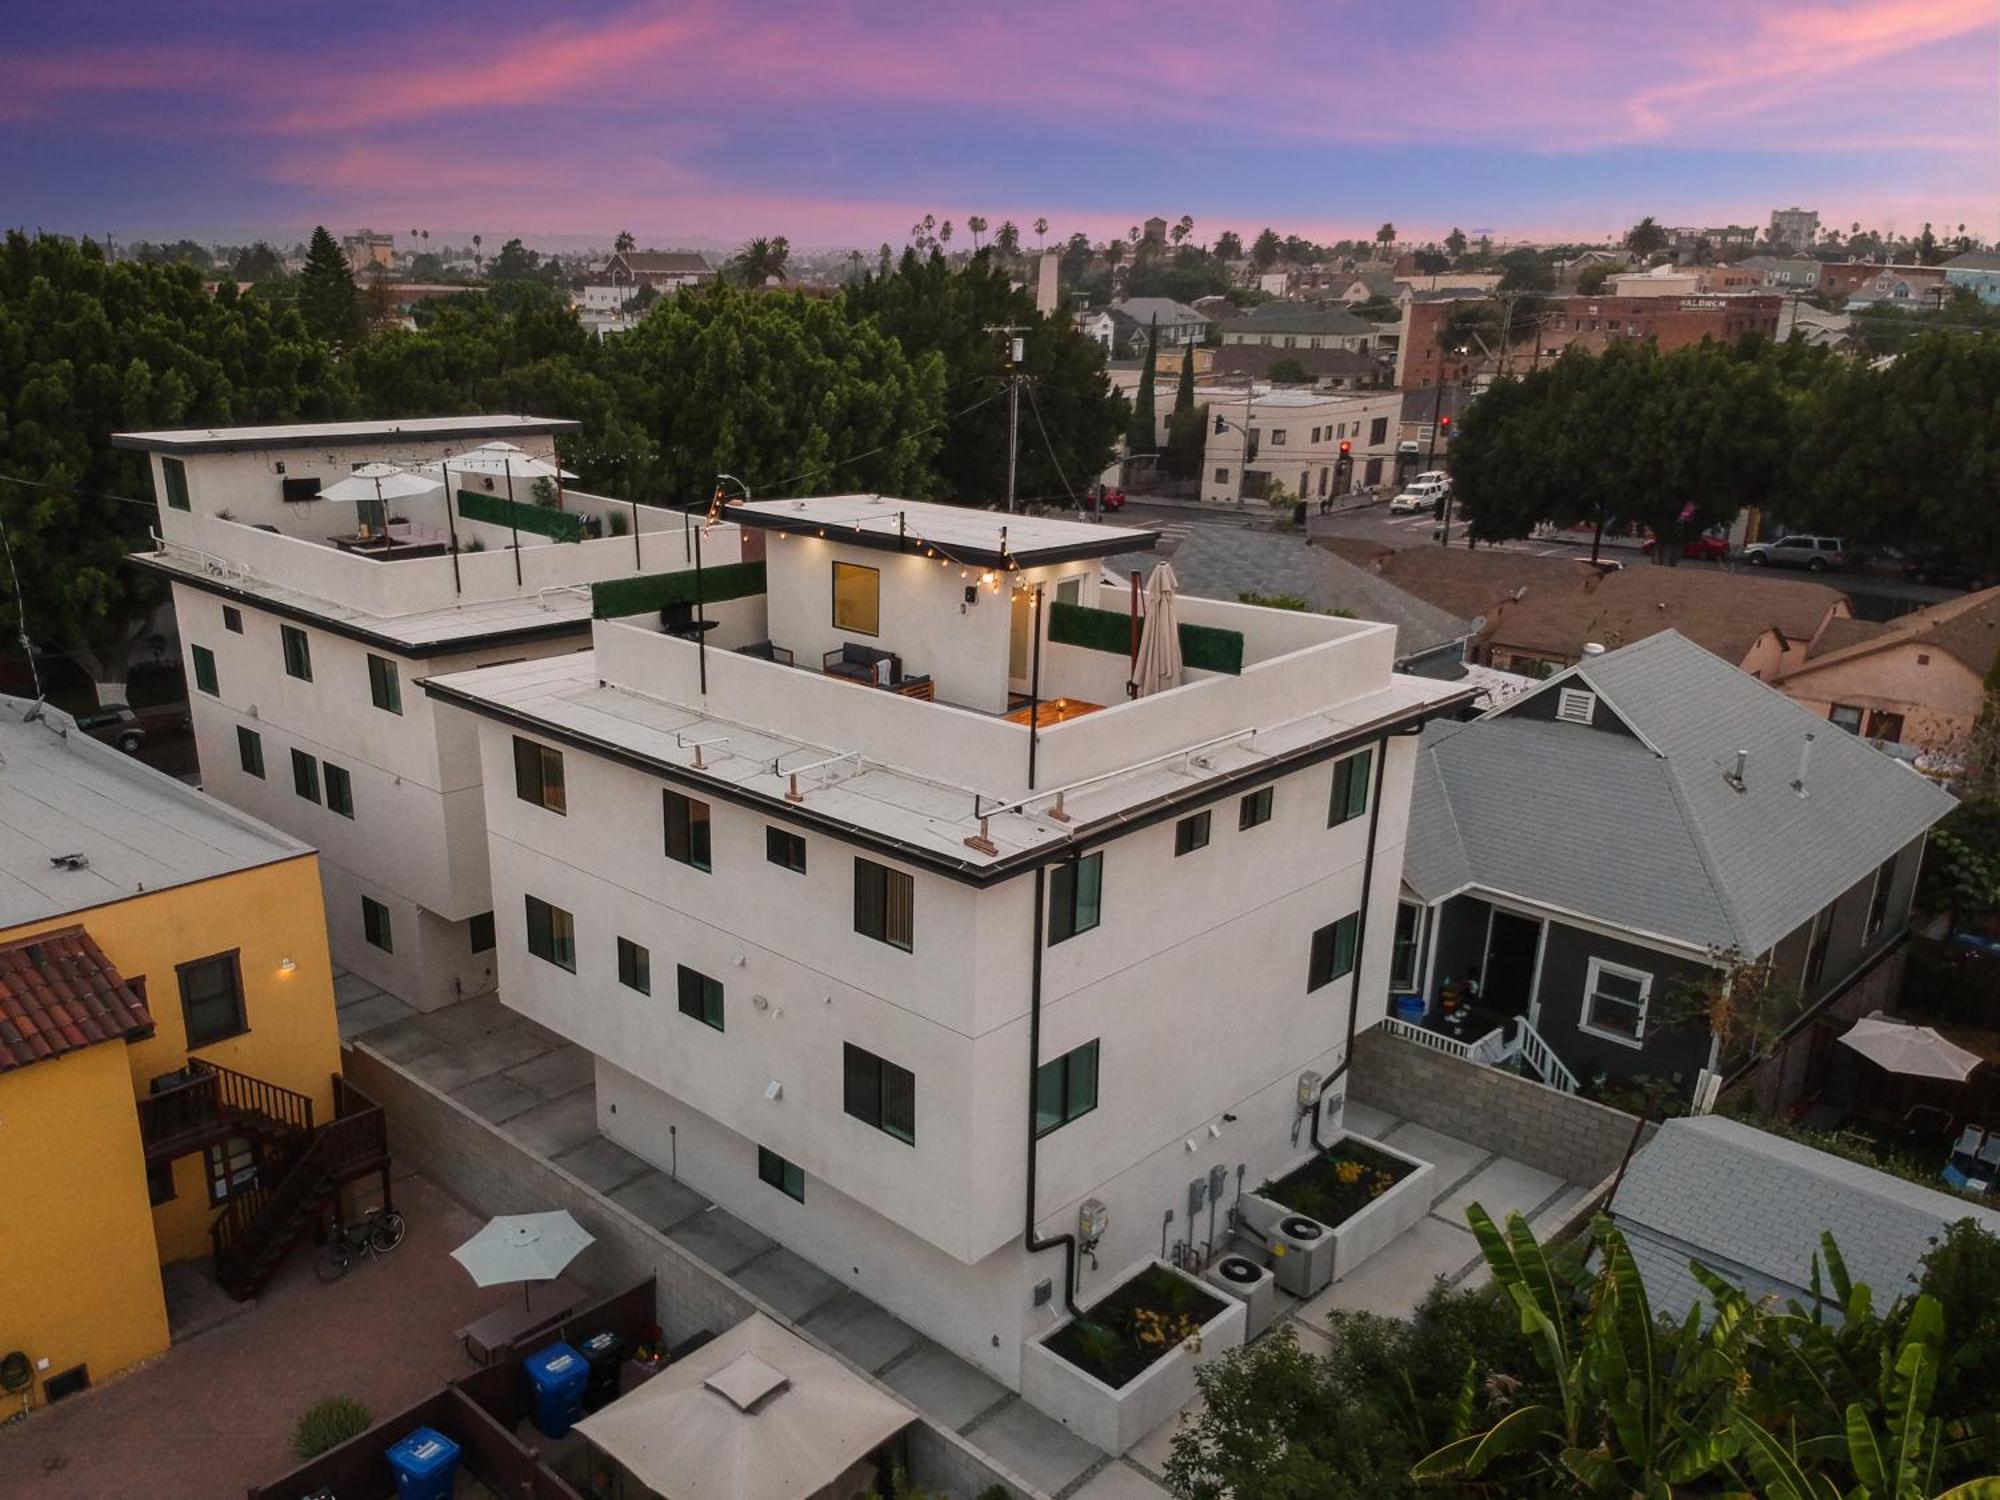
514 1322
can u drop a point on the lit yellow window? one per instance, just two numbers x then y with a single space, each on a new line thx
857 599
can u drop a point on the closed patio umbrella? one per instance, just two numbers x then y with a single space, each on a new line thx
1159 663
1916 1051
523 1247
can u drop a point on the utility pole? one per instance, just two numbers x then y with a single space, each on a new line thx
1016 350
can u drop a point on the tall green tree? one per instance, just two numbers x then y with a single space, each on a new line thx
1143 434
328 298
1264 253
1646 238
1187 427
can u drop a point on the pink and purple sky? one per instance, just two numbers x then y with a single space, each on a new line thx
840 122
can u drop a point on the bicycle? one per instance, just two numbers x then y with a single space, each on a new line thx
377 1233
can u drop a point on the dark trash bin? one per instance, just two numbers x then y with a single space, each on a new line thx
425 1465
557 1375
605 1354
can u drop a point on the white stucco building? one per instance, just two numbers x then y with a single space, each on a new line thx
1295 440
914 976
306 640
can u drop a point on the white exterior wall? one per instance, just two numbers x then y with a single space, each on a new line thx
1193 984
1349 416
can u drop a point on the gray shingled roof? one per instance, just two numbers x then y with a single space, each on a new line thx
1646 832
1751 1206
1292 317
1224 562
1141 311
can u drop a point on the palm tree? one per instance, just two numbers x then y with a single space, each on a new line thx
1385 237
944 234
763 260
624 244
1183 228
478 260
1041 234
1646 237
977 225
854 265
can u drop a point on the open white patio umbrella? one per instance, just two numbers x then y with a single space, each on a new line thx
505 459
1158 666
378 481
1916 1051
523 1247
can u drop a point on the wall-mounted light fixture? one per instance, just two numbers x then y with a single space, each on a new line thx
288 966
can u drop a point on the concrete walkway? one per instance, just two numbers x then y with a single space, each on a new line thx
539 1090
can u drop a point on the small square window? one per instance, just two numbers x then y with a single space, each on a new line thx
1350 788
479 933
1065 1088
688 838
385 686
885 904
551 934
1333 951
1615 1001
1255 808
1222 476
375 925
857 599
174 478
232 619
879 1093
1190 834
538 776
212 999
785 1176
1076 896
232 1168
635 967
204 670
305 776
298 653
699 996
250 751
339 789
785 848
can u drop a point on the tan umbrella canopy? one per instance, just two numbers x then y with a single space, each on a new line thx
1159 664
1916 1051
757 1414
379 482
505 459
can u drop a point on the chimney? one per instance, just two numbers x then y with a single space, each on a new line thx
1805 760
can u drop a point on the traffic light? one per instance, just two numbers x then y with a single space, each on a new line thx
1346 448
1444 427
1220 424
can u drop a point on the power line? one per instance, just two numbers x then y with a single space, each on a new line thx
1035 404
70 489
855 458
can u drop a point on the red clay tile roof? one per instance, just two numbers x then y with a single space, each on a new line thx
60 994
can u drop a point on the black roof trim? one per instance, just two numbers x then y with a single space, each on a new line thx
457 646
1158 810
985 557
532 427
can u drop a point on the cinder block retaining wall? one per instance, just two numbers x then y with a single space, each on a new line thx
477 1164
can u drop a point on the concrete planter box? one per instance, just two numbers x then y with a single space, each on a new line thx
1375 1223
1116 1418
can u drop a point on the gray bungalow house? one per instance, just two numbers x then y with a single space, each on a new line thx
1579 854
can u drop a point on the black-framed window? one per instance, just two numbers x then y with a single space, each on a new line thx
250 751
479 932
1065 1088
1333 951
1255 807
699 996
1076 896
1191 833
787 1177
783 847
174 476
1878 900
857 599
1816 950
212 998
385 684
231 1168
375 925
877 1092
305 776
232 619
885 904
538 775
1407 946
689 839
160 1183
339 789
298 653
551 934
635 966
1350 788
204 670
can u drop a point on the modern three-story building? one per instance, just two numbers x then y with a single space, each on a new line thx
908 924
307 622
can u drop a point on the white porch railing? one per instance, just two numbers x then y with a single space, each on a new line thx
1527 1043
1501 1045
1489 1049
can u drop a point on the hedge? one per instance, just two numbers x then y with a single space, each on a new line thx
1204 646
498 510
655 591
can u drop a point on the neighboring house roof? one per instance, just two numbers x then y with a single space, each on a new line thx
1377 283
1975 260
1143 311
1966 629
1751 1206
1645 830
667 263
137 830
1257 359
1280 317
1471 585
60 994
1225 562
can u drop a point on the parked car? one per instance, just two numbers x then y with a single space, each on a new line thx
1815 553
1943 565
1104 497
1418 497
1433 476
1709 547
127 728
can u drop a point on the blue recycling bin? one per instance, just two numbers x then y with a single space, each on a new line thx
1407 1008
558 1375
425 1465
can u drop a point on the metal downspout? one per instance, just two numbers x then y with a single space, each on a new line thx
1037 1243
1360 935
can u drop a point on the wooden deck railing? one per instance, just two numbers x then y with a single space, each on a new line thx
212 1103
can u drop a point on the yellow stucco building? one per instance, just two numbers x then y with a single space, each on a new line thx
167 1052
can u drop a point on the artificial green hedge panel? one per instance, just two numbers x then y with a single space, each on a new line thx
498 510
1203 646
655 591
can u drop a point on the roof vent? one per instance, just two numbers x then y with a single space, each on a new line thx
1593 648
1735 777
1575 706
1805 762
70 861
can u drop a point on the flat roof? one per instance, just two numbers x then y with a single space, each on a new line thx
139 830
339 434
987 538
908 815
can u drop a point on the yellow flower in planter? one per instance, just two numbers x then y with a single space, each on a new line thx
1158 1330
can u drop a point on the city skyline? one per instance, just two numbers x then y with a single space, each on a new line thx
722 120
